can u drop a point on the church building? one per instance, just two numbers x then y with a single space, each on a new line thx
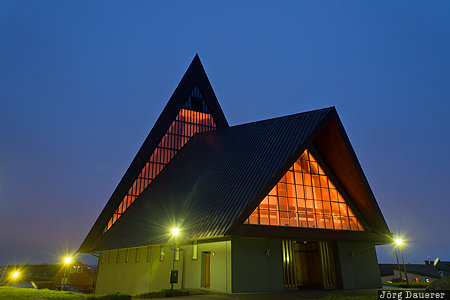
271 205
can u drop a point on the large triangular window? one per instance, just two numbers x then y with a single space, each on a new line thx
305 197
193 117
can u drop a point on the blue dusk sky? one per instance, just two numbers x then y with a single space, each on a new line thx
83 82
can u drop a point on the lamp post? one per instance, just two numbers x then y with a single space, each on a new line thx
399 243
175 232
15 275
398 264
67 261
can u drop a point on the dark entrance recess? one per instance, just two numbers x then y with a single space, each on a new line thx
309 264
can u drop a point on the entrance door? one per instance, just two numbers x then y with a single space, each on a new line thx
206 269
307 264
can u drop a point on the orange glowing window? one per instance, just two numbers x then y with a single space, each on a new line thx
186 124
305 197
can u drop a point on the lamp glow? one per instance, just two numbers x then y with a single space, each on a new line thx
67 260
15 274
398 242
175 231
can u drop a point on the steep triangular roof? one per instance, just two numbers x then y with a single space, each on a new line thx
336 156
194 84
217 180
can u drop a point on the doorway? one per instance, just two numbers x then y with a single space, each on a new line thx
309 264
206 269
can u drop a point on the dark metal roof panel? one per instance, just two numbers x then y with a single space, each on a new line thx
213 180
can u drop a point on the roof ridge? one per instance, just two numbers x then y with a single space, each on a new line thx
282 117
265 121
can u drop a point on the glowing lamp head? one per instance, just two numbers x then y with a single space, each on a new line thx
15 274
67 260
175 231
398 242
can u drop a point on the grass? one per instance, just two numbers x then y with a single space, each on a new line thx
13 293
336 297
164 293
418 284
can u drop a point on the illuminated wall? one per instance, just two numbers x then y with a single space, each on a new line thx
192 118
305 197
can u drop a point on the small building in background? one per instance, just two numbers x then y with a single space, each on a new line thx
416 272
79 276
386 272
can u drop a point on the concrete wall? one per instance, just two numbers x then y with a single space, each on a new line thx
220 266
358 265
239 265
257 265
136 276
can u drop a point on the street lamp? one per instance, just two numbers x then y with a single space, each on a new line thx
15 275
175 231
173 273
399 243
67 261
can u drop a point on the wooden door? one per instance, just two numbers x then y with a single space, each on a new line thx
307 264
206 269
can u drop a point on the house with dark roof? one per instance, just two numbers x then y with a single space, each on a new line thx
76 274
416 272
265 206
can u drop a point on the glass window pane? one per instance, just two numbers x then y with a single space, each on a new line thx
302 198
254 217
337 222
307 179
298 178
290 189
264 217
274 218
292 204
316 193
308 192
273 203
290 177
282 203
320 220
315 180
333 195
265 203
325 194
273 192
299 190
293 219
284 218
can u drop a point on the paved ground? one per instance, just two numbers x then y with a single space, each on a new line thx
289 295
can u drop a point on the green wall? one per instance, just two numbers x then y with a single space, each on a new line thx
220 266
136 276
358 265
237 265
257 265
144 276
